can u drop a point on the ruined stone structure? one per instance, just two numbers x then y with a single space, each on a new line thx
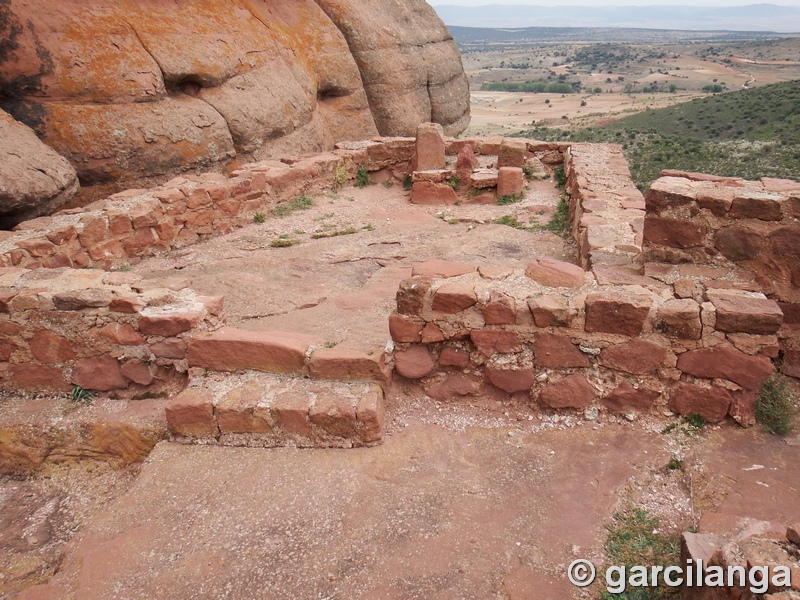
664 311
131 92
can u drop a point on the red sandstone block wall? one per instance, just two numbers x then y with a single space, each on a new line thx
96 330
744 227
139 223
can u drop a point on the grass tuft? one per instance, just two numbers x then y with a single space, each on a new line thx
777 406
80 395
302 203
634 539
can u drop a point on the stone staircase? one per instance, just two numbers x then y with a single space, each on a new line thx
274 388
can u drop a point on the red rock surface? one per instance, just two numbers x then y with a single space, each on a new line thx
34 179
127 91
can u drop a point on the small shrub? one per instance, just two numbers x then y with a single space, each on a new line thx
408 182
337 233
633 539
511 221
691 425
259 217
388 184
362 178
80 395
777 406
341 175
454 183
696 421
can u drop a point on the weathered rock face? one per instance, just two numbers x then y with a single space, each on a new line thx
409 62
127 91
34 179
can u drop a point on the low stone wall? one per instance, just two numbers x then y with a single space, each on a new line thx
606 208
557 335
262 410
633 330
100 331
137 223
735 225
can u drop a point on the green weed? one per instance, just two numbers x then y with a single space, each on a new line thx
560 221
633 539
283 243
362 178
506 200
302 203
777 406
80 395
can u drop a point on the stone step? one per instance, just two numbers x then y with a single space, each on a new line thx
231 349
266 410
38 433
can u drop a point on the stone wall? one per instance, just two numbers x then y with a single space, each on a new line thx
136 223
100 331
628 333
737 226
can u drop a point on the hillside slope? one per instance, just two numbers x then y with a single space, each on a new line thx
748 133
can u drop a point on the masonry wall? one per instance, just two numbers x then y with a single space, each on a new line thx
744 227
638 327
136 223
100 331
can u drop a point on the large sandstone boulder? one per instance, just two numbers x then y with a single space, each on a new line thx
34 179
131 90
410 65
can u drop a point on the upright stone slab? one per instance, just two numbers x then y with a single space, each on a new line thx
430 147
510 181
512 153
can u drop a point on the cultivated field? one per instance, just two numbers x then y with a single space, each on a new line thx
610 79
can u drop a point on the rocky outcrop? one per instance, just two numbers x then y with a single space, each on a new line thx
128 91
34 179
409 62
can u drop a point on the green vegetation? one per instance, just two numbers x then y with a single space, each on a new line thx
533 87
259 217
560 177
674 464
362 178
691 425
777 406
633 539
284 210
750 133
408 182
283 242
341 174
511 221
337 233
506 200
527 170
80 395
454 183
560 221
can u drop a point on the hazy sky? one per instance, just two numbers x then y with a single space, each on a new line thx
615 2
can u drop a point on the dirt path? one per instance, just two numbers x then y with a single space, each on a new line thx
459 502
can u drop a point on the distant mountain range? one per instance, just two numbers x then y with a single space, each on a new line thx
753 17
